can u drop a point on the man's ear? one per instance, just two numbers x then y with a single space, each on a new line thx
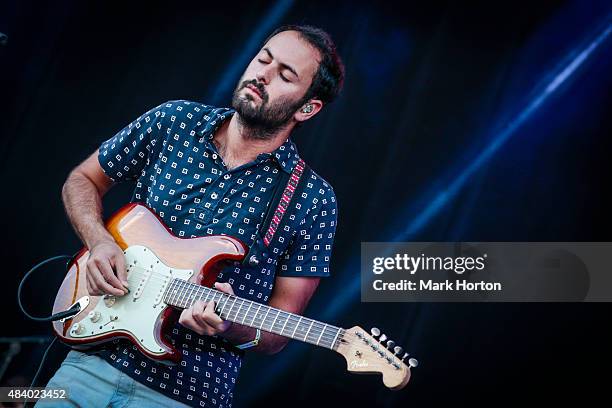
308 110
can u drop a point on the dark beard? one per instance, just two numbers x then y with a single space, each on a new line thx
266 120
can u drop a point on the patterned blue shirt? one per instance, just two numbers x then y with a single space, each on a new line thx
169 152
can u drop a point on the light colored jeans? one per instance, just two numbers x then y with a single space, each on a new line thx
92 382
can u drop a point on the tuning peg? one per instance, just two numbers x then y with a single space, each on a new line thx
413 362
404 356
397 350
375 332
382 338
390 344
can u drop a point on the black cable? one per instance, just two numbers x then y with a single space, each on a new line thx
67 313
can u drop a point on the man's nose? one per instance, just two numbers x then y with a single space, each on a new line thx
264 75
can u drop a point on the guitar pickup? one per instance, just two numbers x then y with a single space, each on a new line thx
146 275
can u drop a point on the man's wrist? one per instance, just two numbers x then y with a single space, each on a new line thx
252 343
240 335
102 238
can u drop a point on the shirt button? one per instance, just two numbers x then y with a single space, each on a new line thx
214 196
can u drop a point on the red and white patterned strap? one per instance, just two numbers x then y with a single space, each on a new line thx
292 184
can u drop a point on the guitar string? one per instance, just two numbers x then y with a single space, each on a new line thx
186 286
183 287
318 329
294 324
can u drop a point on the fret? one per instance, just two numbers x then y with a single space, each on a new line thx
214 297
172 292
308 331
182 293
242 303
331 346
231 307
168 294
265 316
321 335
286 321
177 292
255 317
296 327
218 307
247 312
195 295
207 292
274 322
191 298
224 304
187 295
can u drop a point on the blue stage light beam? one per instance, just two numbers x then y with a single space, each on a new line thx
558 79
229 79
548 87
352 288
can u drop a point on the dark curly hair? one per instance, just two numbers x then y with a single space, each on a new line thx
329 78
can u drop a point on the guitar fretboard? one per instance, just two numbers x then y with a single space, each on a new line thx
183 294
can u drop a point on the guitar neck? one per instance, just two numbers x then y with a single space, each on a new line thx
183 294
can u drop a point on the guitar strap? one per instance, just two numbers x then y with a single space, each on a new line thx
287 187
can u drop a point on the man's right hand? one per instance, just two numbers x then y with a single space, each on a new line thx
106 273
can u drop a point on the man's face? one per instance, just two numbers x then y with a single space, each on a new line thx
274 84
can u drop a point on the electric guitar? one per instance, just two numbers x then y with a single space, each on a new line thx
160 266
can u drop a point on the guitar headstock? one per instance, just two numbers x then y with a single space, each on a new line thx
365 353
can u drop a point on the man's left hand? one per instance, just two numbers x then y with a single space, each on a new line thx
201 316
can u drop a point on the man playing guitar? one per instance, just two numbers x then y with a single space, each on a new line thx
211 171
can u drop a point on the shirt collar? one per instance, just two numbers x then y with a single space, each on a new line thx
286 155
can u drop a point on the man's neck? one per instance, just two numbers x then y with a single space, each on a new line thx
237 145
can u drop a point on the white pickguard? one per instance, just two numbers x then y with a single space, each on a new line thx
137 311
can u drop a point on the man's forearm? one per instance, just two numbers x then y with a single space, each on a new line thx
83 205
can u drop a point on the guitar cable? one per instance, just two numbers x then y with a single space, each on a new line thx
57 316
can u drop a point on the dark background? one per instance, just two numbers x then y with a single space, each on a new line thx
429 88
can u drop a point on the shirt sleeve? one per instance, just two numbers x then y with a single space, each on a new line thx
309 254
124 156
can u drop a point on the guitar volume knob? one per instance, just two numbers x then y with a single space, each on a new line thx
94 316
78 328
109 300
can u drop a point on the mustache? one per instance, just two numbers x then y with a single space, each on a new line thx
256 84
